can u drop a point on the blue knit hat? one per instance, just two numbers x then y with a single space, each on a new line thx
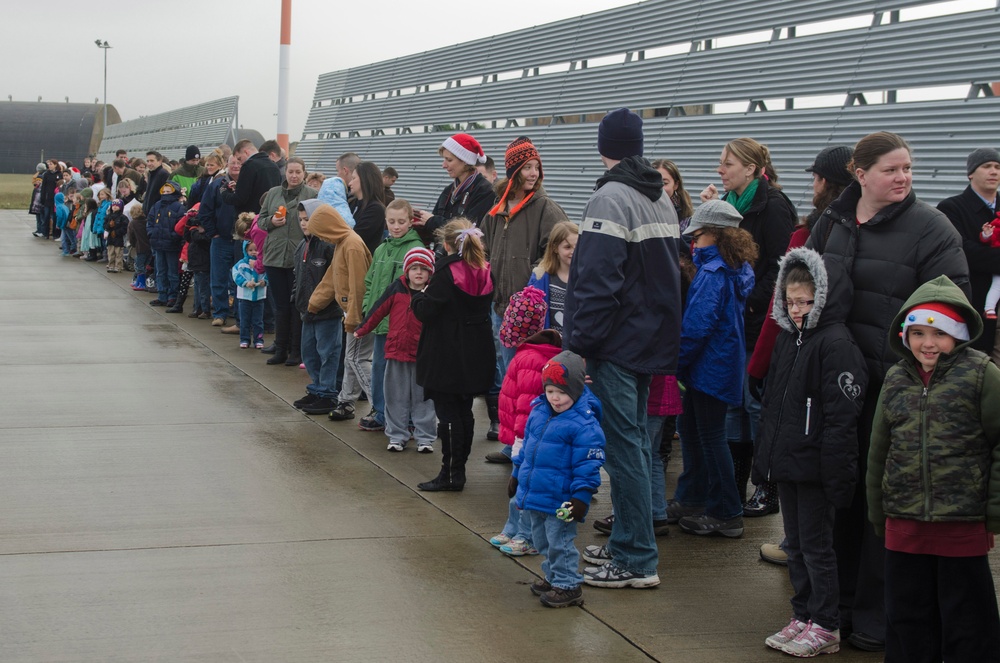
620 135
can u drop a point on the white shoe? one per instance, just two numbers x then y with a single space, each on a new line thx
394 446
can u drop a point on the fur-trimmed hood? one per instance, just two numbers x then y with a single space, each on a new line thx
832 298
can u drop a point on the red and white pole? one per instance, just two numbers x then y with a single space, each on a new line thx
283 67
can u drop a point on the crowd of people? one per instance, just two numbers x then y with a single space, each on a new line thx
841 361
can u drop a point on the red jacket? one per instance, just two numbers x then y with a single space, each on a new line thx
523 382
404 328
664 397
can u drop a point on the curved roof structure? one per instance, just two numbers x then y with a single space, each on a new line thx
31 132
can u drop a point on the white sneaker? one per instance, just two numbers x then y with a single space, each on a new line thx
813 641
425 448
394 446
786 635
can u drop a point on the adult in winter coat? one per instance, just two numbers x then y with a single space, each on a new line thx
188 172
156 177
968 211
217 217
50 182
890 243
283 235
215 168
165 242
258 176
470 195
368 206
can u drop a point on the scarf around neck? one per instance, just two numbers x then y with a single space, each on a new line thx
742 201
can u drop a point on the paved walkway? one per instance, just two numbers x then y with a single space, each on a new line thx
163 501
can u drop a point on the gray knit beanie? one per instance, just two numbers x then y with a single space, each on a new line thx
979 157
566 372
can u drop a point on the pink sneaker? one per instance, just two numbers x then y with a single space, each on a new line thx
244 345
786 635
813 641
302 365
259 346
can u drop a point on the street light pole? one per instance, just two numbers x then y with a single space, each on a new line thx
104 46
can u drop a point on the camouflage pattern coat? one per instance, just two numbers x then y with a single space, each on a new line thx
934 453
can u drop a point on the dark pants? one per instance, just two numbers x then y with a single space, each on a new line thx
456 427
222 276
940 609
812 564
860 552
287 322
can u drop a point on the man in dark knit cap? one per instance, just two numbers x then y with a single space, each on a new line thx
968 211
622 314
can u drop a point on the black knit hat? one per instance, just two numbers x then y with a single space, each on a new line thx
620 135
831 164
979 157
192 152
567 373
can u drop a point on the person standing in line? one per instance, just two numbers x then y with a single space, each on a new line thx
622 316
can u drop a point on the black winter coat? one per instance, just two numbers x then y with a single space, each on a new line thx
770 221
815 389
163 216
474 203
968 213
258 176
154 180
456 354
902 247
50 182
313 257
369 223
116 225
199 248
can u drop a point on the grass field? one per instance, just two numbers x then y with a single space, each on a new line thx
15 191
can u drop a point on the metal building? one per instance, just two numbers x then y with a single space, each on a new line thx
31 132
683 66
206 125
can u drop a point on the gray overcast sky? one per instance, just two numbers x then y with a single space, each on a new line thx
178 53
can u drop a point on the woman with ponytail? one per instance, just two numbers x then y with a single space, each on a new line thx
455 355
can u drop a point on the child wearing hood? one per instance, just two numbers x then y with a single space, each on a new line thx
116 227
251 293
103 206
89 242
557 472
62 218
933 482
808 442
334 193
711 366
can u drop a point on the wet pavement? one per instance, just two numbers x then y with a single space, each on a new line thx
163 501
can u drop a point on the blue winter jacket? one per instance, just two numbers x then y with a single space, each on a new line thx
215 216
333 192
102 213
163 216
62 212
562 455
713 355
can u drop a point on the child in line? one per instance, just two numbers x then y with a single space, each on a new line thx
711 367
62 219
386 269
933 482
116 227
404 398
456 357
989 236
199 262
104 198
809 440
522 328
139 241
551 276
90 244
559 463
251 291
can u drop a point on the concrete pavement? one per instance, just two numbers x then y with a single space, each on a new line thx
163 501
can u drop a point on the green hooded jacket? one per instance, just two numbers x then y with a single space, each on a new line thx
186 175
934 454
387 266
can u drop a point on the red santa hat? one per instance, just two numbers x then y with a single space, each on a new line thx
939 316
466 148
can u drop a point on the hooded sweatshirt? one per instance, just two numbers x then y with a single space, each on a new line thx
62 212
313 261
243 273
935 449
345 280
333 192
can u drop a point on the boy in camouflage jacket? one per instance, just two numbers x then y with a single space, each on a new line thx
934 482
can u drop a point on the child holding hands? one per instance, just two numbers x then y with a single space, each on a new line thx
934 482
559 464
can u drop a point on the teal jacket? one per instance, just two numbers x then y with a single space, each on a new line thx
386 267
934 452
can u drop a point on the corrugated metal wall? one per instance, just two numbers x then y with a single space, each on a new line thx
206 125
562 86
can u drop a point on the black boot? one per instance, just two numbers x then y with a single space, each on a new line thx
764 501
178 306
742 454
493 409
450 478
279 357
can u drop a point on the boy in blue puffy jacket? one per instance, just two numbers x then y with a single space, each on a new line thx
559 463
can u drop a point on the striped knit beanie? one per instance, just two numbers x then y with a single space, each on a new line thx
524 317
418 256
520 152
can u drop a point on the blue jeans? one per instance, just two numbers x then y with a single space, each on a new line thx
320 353
222 276
504 355
251 320
708 478
378 378
623 395
554 540
201 292
68 240
141 260
654 427
518 525
168 278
